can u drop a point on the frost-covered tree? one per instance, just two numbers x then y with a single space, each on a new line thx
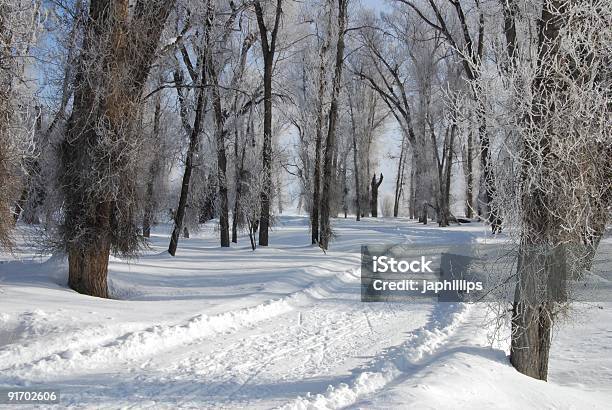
18 25
97 177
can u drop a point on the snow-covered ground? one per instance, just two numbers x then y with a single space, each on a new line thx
278 327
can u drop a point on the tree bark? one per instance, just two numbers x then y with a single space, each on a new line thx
316 180
444 211
122 44
532 316
399 178
469 176
194 140
220 134
355 161
150 205
374 195
330 142
268 50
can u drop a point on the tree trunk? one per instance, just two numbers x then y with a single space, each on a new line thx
469 175
412 205
266 154
239 182
194 140
316 180
220 134
422 181
533 315
444 213
374 195
268 50
118 48
150 207
330 143
356 170
344 191
88 269
400 178
487 173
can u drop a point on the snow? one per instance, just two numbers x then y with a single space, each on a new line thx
281 327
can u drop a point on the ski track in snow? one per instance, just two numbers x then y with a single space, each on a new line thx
101 346
420 344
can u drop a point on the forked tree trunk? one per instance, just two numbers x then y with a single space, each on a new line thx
374 195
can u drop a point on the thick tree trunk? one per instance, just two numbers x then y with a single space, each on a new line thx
330 143
118 49
531 339
88 269
223 201
487 174
533 314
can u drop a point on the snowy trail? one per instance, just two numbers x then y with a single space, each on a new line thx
420 344
282 327
92 348
324 331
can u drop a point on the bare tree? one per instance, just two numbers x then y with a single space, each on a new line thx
97 180
551 99
268 48
469 46
194 141
330 142
19 111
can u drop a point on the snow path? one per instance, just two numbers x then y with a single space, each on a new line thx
92 348
421 344
282 327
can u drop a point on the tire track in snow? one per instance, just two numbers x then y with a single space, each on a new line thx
240 372
421 344
159 338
